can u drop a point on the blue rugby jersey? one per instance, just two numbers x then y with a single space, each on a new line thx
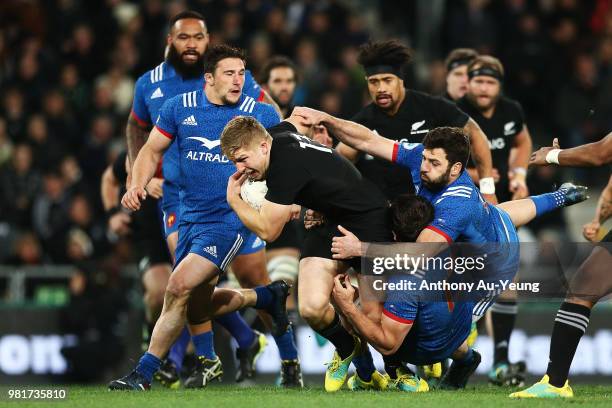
461 214
195 124
162 83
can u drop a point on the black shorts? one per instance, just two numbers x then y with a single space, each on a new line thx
148 236
291 237
372 226
608 237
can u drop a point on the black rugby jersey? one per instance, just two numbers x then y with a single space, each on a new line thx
418 113
501 129
302 171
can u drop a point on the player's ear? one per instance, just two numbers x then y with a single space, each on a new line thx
456 169
209 78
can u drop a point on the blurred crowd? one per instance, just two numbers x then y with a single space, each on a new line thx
68 67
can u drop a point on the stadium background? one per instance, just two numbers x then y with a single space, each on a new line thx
67 71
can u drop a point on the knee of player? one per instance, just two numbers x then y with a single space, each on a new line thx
311 309
177 288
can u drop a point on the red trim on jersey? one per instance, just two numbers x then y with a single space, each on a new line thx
261 96
449 301
163 132
439 231
395 152
141 122
396 318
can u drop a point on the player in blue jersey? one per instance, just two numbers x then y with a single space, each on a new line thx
210 233
181 72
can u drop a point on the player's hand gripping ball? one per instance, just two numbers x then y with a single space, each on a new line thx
253 193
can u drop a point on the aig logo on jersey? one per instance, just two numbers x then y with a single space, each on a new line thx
415 129
206 155
509 129
497 144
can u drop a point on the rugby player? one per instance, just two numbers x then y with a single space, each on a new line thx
210 234
456 64
405 115
301 171
591 282
183 71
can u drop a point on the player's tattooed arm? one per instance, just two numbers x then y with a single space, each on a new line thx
136 135
144 168
588 155
603 212
385 335
481 154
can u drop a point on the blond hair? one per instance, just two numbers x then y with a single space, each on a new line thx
486 61
240 132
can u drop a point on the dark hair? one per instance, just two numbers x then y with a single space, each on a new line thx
390 52
410 214
220 52
453 140
277 61
186 14
459 56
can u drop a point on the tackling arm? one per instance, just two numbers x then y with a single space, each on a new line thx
481 154
385 336
136 134
588 155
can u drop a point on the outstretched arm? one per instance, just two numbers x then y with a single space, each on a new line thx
481 154
385 336
588 155
350 133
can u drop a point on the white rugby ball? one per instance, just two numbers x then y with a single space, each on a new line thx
253 193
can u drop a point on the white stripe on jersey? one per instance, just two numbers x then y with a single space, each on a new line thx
231 252
157 73
251 106
189 99
244 102
459 188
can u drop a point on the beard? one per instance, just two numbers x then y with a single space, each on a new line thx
474 101
439 183
185 70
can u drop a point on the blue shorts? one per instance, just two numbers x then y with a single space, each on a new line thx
217 242
504 259
170 204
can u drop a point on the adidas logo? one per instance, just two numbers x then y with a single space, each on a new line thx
190 121
211 250
256 243
157 94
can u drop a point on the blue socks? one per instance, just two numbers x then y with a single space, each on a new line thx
286 346
364 364
204 345
178 349
264 297
547 202
238 328
148 365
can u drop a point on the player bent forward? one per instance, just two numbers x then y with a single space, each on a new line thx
300 171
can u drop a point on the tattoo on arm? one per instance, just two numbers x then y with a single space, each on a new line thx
136 138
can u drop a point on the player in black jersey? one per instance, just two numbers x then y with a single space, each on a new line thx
456 64
592 281
503 122
300 171
406 115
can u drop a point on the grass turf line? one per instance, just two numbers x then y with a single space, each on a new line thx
255 397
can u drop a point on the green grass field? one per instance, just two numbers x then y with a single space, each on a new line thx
233 397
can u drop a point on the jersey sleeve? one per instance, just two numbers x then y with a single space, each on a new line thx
453 213
402 305
286 177
166 121
449 114
267 116
409 155
251 87
140 111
